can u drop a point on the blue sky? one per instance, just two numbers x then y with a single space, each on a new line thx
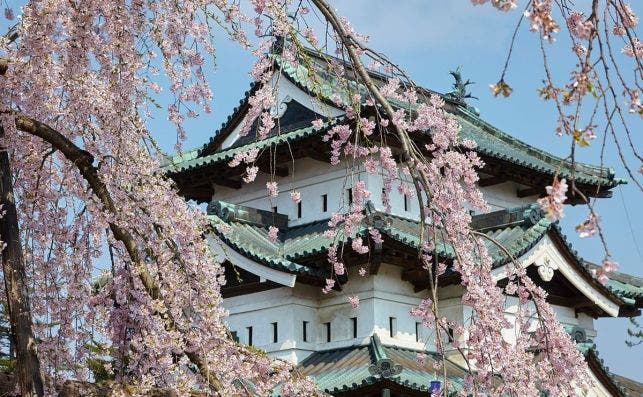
429 38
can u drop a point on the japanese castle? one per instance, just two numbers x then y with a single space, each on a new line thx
274 289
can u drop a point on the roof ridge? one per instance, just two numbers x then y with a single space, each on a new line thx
476 119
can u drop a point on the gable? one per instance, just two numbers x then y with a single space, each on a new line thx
551 267
294 109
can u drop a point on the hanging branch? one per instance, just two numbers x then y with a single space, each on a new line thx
84 161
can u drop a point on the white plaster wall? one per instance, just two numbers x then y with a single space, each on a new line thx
381 296
503 196
313 179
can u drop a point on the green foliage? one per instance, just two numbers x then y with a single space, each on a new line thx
7 364
101 362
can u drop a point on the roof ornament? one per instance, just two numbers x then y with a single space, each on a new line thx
459 93
578 334
385 368
546 269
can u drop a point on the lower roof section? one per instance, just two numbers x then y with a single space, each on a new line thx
299 253
365 370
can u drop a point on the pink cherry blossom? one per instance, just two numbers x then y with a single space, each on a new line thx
295 196
354 301
552 204
273 233
273 189
589 227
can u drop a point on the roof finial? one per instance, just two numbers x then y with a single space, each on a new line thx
459 92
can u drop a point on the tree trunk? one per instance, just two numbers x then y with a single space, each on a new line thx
18 308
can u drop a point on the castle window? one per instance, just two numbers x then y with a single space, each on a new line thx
406 202
274 333
417 331
327 331
450 335
324 202
234 336
249 329
392 326
349 193
274 210
354 323
304 330
299 209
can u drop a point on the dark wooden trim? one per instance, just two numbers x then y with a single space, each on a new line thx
532 191
493 180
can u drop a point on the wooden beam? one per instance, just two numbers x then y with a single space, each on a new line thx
532 191
277 171
376 259
490 181
319 156
227 182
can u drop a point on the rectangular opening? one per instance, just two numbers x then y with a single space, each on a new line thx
304 331
354 324
299 209
249 329
406 203
275 333
327 331
324 202
274 210
417 331
392 326
234 335
450 334
349 192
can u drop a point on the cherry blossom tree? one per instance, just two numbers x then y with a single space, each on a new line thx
84 192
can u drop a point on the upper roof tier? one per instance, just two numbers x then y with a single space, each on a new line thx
506 158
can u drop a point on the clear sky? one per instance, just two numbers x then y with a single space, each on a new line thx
429 38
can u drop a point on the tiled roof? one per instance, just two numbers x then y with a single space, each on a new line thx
308 240
517 230
632 387
591 356
624 285
192 160
354 367
491 141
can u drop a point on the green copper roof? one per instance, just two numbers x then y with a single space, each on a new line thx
354 367
308 240
591 356
518 236
626 286
191 160
497 144
518 230
491 141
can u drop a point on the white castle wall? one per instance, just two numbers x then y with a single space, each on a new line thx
382 296
313 179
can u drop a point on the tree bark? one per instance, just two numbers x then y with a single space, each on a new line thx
84 162
15 278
